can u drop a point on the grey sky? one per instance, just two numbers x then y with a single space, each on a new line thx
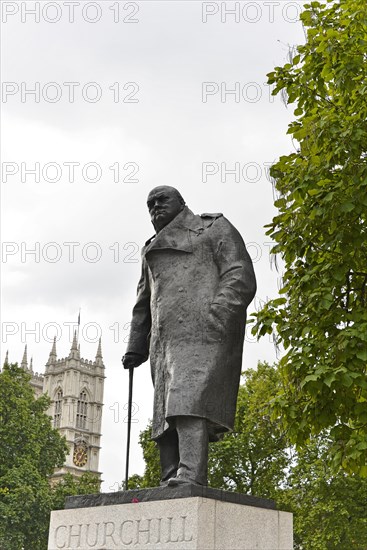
164 137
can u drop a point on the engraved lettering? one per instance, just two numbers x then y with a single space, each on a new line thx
159 530
124 540
96 533
109 530
183 536
169 538
58 542
139 531
77 535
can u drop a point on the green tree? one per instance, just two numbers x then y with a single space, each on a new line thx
321 234
87 484
330 510
30 450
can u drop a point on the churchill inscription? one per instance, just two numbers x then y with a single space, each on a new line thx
121 534
143 525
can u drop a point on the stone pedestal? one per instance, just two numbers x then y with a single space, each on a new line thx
183 518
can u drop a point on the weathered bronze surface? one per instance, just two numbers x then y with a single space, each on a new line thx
196 284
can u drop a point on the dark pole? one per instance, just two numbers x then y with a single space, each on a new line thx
131 376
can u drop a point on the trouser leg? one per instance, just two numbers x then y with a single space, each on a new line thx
169 457
193 443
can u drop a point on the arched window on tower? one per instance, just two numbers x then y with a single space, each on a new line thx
58 409
81 412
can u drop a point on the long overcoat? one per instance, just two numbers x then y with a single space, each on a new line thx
197 281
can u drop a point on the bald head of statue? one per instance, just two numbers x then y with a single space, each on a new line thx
164 203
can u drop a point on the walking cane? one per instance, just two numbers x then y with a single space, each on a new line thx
131 376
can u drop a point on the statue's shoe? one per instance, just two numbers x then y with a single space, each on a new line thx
175 481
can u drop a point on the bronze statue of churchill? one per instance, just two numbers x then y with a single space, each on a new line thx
197 281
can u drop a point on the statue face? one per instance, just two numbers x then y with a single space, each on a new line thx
163 205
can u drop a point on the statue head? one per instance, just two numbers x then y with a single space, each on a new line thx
164 203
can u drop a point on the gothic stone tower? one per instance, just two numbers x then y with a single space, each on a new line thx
75 386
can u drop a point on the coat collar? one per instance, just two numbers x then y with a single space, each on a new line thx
176 235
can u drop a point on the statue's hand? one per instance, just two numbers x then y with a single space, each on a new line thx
132 360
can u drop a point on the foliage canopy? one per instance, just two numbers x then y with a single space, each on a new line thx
321 234
30 450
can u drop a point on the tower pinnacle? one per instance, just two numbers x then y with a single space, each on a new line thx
24 363
53 356
99 358
74 351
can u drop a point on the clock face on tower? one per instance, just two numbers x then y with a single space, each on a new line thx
80 456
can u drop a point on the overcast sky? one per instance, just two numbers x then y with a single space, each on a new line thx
127 96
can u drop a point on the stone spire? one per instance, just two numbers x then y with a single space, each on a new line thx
6 362
24 363
74 351
31 365
74 345
99 358
53 356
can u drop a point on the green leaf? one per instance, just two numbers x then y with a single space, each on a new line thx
362 354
